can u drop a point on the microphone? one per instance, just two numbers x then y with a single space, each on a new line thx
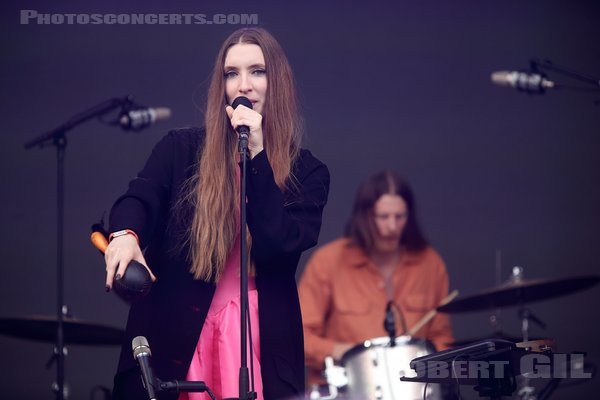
135 282
140 118
389 323
527 81
142 354
243 130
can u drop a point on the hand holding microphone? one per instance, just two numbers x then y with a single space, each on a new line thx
126 272
247 122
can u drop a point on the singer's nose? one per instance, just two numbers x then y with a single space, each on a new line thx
245 85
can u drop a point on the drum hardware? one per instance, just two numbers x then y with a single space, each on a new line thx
518 291
495 335
495 352
525 315
335 377
537 346
526 391
372 370
76 332
427 368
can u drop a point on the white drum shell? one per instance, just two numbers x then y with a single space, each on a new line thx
374 370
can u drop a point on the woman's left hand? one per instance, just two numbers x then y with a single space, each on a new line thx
243 115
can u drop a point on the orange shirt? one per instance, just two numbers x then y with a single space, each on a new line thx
343 299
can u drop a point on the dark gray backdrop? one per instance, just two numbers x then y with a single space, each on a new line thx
402 85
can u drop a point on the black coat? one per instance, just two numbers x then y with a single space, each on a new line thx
171 316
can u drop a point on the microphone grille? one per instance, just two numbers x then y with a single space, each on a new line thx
502 78
140 345
162 113
241 100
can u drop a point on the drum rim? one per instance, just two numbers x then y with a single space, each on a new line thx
383 341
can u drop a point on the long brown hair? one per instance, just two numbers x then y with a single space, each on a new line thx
215 191
361 227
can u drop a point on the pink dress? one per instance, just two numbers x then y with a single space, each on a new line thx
216 359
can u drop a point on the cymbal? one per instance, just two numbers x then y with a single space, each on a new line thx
518 293
43 329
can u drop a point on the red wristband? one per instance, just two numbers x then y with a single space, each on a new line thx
122 233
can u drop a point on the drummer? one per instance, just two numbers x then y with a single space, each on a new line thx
382 259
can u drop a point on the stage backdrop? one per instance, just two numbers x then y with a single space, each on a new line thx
398 84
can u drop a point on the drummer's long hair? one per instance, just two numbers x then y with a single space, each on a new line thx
214 190
361 227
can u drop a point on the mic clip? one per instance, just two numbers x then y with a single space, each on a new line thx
135 117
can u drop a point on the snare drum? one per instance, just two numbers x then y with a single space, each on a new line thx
374 369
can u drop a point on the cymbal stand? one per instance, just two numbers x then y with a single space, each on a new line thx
496 318
526 315
527 392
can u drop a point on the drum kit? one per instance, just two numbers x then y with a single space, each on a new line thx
372 370
43 328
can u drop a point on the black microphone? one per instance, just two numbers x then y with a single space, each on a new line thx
389 323
142 354
135 282
527 81
184 386
140 118
243 130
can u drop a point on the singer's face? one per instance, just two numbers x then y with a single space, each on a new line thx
246 75
390 214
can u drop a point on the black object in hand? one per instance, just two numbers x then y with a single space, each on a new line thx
134 284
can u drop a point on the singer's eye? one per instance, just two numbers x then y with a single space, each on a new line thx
230 74
259 72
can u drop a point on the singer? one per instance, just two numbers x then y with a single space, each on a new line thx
383 257
180 218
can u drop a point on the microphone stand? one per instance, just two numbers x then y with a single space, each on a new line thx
244 390
57 137
96 111
549 65
185 386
